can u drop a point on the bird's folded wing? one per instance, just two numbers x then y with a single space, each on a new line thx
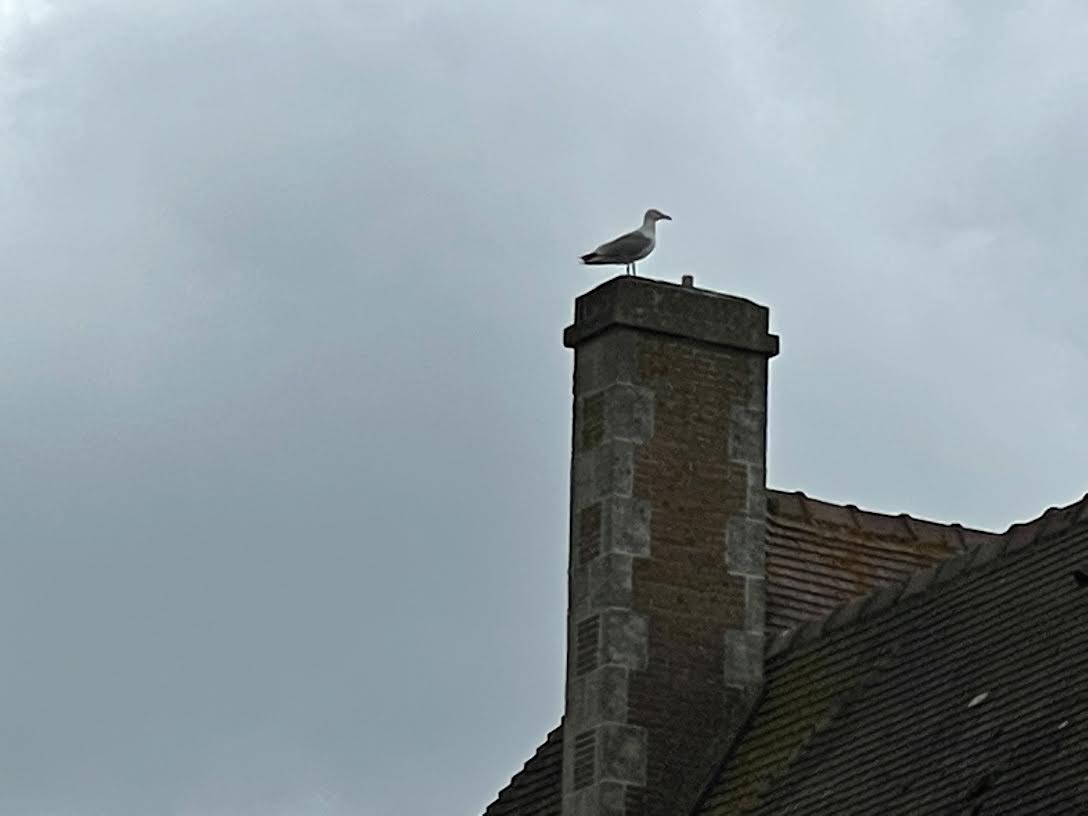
626 246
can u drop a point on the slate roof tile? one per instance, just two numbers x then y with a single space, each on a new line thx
967 695
536 789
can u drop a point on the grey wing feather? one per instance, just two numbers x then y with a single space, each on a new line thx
626 246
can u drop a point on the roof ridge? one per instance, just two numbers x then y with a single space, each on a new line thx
797 504
1052 522
881 543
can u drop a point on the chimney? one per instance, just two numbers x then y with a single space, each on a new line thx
667 529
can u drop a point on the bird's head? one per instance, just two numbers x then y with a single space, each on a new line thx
653 216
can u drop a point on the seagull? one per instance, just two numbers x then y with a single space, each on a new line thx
634 246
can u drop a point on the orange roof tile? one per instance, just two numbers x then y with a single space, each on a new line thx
820 555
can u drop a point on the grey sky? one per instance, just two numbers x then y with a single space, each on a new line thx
284 412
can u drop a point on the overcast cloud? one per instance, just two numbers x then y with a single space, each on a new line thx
284 412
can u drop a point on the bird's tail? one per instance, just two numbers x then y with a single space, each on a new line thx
592 258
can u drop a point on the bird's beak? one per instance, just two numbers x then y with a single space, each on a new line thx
666 217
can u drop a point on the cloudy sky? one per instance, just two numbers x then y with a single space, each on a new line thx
284 412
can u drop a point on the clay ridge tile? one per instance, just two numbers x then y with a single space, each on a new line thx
981 550
817 513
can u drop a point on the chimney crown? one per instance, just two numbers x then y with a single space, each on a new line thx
678 311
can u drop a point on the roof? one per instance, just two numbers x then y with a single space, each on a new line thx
962 691
818 556
536 790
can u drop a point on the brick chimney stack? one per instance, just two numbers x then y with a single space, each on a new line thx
668 507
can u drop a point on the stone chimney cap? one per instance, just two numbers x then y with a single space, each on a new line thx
676 310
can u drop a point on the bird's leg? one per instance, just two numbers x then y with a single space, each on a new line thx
633 272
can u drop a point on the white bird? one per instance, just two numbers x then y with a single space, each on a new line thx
634 246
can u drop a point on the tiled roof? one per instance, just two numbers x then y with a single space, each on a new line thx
818 556
535 790
962 691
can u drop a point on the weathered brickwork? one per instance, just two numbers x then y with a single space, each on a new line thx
667 524
685 589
